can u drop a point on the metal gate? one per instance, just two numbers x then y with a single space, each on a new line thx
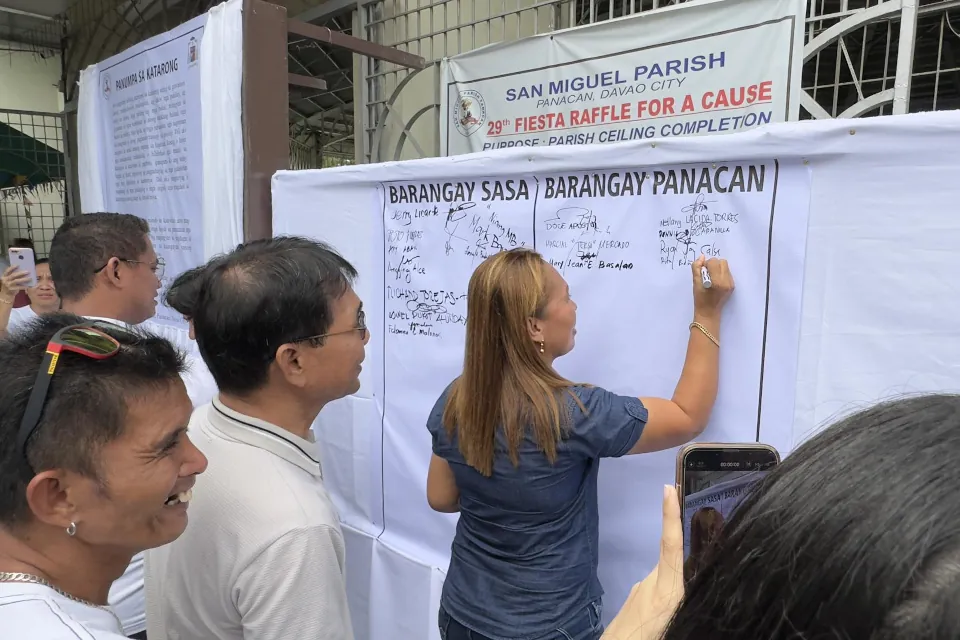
861 57
34 177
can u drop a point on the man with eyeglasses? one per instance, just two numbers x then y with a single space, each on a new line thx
283 333
104 265
105 268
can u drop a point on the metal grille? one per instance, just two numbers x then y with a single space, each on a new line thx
305 156
92 30
403 105
34 194
936 62
862 57
322 122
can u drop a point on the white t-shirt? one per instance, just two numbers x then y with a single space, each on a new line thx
35 612
20 316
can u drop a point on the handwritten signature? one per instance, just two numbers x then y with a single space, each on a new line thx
698 206
457 213
424 307
407 266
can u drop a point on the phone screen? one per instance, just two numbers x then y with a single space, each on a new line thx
715 482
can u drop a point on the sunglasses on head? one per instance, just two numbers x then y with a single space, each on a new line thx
87 339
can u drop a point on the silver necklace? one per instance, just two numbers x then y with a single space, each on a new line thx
6 576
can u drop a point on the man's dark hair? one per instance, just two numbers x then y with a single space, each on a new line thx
22 243
85 408
85 243
181 295
42 261
265 294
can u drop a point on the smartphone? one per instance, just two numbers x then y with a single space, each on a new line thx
712 480
22 258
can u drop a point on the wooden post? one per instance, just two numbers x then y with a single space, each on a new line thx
266 129
266 99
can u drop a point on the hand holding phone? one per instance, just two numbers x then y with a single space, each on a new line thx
712 480
23 259
653 601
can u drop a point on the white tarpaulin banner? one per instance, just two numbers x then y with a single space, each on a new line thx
160 136
698 68
148 127
869 327
624 240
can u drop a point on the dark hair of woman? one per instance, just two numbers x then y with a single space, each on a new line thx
855 535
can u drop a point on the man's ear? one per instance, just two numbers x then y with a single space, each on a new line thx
48 495
290 361
111 271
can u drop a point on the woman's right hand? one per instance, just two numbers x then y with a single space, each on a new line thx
709 302
12 282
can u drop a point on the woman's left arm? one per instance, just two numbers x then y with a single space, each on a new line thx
442 492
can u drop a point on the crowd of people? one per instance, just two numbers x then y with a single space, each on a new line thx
110 436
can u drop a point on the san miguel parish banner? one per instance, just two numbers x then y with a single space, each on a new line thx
692 69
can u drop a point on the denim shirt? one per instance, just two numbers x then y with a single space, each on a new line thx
524 558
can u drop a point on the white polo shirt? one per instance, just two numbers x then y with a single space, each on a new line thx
35 612
263 554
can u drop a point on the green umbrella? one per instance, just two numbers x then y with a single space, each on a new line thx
27 162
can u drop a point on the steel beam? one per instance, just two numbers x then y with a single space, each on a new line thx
904 74
326 10
308 82
356 45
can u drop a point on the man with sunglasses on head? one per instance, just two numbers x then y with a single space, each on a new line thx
106 268
95 466
283 333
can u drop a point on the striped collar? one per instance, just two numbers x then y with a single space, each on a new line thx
269 437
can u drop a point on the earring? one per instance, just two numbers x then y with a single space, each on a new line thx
72 529
541 346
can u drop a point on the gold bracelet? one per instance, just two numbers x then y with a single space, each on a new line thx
704 331
10 301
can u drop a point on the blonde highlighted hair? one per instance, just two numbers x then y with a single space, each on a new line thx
505 383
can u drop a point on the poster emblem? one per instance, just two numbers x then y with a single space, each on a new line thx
105 78
469 112
193 51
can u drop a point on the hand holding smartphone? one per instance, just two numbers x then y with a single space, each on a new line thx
23 259
712 480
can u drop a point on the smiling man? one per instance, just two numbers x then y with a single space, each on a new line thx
283 333
95 467
106 268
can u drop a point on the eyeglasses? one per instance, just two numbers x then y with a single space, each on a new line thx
158 267
361 327
86 339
